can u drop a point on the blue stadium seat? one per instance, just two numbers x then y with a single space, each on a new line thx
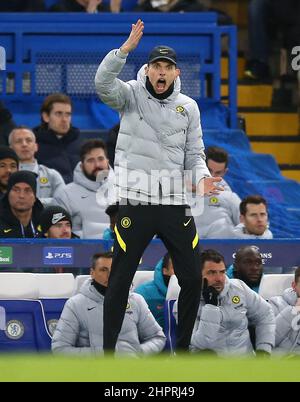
25 327
54 291
52 309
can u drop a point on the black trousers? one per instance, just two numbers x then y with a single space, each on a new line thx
135 228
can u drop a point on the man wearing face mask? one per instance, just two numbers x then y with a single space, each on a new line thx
92 191
226 308
155 291
80 328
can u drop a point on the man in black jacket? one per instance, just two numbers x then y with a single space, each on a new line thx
59 142
20 209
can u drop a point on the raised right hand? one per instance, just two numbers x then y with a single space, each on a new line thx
208 186
134 37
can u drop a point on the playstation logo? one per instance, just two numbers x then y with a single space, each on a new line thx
49 256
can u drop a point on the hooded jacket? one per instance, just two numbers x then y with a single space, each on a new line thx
239 232
11 227
216 216
287 322
231 275
154 292
224 328
61 154
80 327
86 201
49 181
158 139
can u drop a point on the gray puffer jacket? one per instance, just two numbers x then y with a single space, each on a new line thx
49 182
86 201
224 328
287 322
158 139
217 214
80 327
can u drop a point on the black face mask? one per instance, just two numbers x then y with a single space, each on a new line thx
164 95
100 288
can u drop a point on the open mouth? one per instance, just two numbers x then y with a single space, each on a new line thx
161 85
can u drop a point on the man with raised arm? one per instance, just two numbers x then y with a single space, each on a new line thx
160 138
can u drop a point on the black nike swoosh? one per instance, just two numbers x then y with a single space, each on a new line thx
92 308
84 196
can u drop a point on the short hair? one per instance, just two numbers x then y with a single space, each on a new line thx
251 199
217 154
89 145
210 255
95 258
49 101
19 128
297 274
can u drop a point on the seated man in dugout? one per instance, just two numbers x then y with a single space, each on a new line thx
58 141
155 291
247 266
254 219
23 141
92 191
227 306
56 223
80 328
20 209
287 314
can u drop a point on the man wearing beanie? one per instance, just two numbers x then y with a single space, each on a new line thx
8 164
20 209
56 223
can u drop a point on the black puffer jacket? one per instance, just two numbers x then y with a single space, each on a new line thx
61 154
10 226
